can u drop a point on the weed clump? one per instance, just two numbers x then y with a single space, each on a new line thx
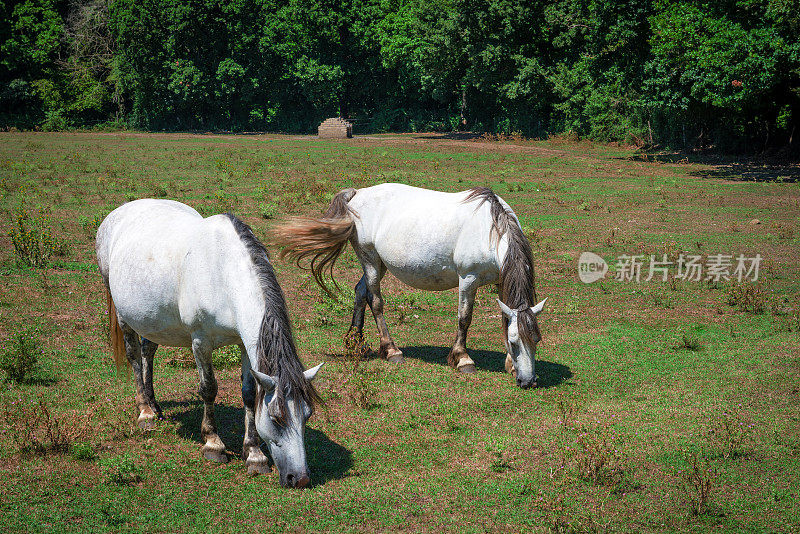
120 470
33 240
82 451
697 481
748 296
689 341
19 358
730 433
358 385
591 450
227 357
34 429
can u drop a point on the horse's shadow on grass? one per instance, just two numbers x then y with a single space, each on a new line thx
549 373
327 460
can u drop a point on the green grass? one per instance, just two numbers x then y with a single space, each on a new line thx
637 375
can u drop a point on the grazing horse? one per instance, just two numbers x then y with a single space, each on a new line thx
429 240
177 279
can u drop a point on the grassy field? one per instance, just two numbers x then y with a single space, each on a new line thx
664 406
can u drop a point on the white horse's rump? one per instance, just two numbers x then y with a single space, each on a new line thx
177 279
429 240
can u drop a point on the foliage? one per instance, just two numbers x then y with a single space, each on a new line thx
33 240
697 480
748 296
120 470
682 72
19 357
730 433
34 429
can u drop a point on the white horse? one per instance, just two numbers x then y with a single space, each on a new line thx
179 280
429 240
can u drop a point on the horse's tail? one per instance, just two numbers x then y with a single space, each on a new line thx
115 335
322 239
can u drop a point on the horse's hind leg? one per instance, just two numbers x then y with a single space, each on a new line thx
373 274
148 351
458 357
133 351
355 334
254 459
213 447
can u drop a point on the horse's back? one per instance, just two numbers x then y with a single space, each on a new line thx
428 239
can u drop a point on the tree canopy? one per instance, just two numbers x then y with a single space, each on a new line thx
677 72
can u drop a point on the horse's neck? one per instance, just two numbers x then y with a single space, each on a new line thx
248 308
500 253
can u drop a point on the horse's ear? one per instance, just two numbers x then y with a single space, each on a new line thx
266 381
508 312
539 307
311 373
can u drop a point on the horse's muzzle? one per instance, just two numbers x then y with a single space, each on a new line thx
525 384
293 480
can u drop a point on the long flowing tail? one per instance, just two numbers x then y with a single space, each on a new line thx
115 335
322 239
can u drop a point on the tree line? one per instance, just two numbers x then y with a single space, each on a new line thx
681 73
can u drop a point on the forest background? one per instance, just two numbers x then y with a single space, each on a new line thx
687 74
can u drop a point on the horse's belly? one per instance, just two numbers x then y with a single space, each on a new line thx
160 324
431 280
436 275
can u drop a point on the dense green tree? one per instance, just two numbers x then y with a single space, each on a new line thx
686 73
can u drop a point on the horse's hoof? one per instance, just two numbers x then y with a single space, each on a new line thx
146 423
215 456
467 369
258 468
396 358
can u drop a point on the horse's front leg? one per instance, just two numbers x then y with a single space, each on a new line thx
213 447
133 351
373 275
254 458
458 357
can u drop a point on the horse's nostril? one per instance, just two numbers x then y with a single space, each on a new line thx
290 480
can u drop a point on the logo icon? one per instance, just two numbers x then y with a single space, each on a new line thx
591 267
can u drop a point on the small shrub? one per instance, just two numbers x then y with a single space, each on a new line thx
358 386
595 456
82 451
33 240
34 429
120 470
356 347
729 433
568 411
662 299
499 464
227 357
689 341
19 357
267 210
404 306
748 296
697 480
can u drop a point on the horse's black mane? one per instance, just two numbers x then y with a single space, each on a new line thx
517 279
277 354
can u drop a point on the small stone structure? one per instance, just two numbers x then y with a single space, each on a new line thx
335 128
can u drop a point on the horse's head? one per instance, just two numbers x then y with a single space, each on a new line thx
281 423
522 335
